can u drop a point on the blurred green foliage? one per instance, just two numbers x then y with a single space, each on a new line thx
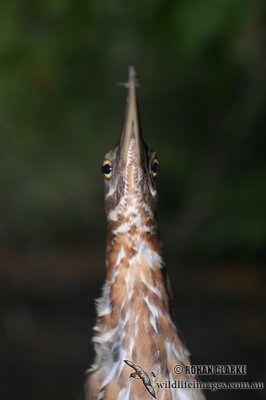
201 66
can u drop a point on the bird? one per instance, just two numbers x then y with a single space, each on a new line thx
135 320
143 375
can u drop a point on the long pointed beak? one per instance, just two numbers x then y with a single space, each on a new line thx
132 129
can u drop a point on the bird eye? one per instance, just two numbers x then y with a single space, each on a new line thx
155 166
107 169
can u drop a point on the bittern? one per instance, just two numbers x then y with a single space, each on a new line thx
134 314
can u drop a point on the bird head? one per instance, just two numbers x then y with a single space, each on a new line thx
130 170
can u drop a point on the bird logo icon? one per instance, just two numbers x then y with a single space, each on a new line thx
143 375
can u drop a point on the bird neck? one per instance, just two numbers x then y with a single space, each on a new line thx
136 296
135 269
132 235
134 311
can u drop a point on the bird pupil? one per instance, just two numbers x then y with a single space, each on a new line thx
155 167
107 169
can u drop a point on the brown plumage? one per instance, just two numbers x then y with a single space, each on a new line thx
135 321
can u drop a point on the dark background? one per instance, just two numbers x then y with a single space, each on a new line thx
201 67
